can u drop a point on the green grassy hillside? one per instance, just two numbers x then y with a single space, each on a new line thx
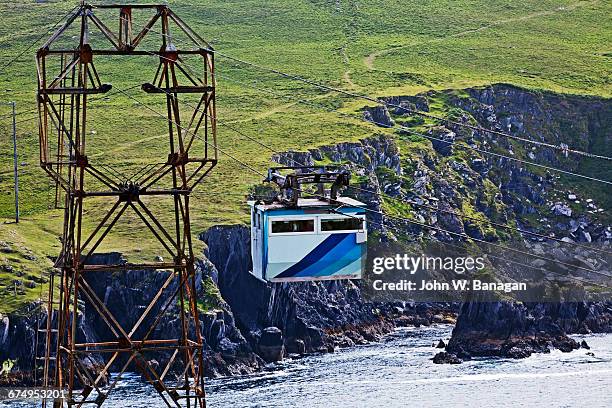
376 47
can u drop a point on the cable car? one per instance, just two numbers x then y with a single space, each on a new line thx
295 237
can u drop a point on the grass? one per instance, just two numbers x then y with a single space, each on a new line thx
375 47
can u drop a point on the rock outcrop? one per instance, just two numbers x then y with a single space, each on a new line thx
446 358
378 115
495 190
516 330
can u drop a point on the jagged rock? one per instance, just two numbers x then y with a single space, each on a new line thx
441 344
217 332
502 329
561 209
446 358
479 165
316 154
378 115
566 344
404 108
227 351
585 236
444 144
401 105
584 345
18 337
290 158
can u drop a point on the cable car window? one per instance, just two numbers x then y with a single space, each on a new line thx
293 226
341 224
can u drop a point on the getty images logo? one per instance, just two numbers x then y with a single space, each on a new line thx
412 264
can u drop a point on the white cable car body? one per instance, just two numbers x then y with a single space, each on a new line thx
313 240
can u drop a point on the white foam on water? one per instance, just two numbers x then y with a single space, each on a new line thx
465 378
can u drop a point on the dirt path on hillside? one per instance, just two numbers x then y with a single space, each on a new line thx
371 59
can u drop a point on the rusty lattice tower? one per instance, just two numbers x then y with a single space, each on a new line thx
67 79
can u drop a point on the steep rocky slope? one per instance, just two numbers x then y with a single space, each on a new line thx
502 190
245 322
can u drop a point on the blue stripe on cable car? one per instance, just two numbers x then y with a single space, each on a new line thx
338 257
323 250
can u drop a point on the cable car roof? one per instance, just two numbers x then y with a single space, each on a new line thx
308 203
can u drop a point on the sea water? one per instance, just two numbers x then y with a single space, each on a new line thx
398 372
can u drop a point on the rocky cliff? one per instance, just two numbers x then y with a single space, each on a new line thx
247 322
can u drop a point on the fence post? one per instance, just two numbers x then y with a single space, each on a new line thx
15 164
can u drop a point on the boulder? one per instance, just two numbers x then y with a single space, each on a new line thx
561 209
444 141
270 346
446 358
378 115
566 344
295 346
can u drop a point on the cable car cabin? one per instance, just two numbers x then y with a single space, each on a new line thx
306 241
